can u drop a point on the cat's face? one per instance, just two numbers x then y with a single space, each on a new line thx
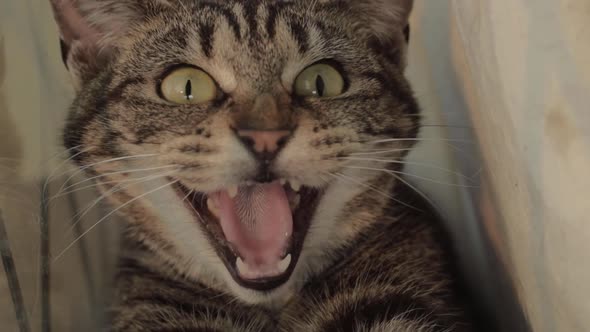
237 136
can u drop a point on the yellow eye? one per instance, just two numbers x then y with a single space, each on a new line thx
320 80
188 86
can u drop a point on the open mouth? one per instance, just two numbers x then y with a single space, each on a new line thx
257 229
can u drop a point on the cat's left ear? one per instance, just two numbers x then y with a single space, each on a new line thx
89 30
384 24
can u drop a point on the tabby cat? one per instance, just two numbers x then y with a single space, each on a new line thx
243 142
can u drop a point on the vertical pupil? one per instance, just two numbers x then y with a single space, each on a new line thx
320 85
188 91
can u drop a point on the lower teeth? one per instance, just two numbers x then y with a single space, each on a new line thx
241 266
244 269
284 264
213 208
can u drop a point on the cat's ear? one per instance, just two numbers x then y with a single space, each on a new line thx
89 30
384 24
383 16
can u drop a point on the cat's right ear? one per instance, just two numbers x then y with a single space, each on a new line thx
88 31
79 41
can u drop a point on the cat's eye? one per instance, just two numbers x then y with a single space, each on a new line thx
188 85
319 80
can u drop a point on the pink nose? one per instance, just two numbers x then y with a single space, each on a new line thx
264 141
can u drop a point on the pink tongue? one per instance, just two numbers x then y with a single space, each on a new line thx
258 223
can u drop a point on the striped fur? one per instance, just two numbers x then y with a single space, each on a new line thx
369 262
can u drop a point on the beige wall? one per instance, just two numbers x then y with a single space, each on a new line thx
34 97
525 69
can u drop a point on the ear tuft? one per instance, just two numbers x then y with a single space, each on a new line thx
385 25
382 16
89 30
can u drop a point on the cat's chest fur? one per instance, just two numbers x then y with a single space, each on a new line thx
395 275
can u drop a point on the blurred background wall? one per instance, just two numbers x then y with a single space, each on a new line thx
524 68
34 98
515 72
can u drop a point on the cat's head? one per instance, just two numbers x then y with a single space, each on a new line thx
245 141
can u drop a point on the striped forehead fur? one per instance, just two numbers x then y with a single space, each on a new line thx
109 21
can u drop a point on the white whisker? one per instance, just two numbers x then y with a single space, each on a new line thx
102 162
62 164
98 183
375 152
411 163
419 192
411 175
421 140
78 217
446 126
187 195
110 214
377 190
119 172
192 206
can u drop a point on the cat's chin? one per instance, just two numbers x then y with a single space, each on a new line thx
260 247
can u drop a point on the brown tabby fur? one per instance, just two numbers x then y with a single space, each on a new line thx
373 259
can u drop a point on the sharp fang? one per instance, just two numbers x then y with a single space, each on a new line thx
283 182
241 266
295 185
233 191
294 203
212 207
284 264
